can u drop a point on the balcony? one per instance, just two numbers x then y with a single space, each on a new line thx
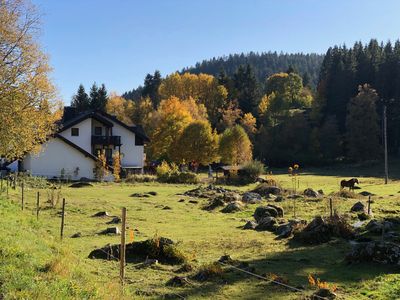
106 140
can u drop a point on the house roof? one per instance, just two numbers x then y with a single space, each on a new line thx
75 146
102 117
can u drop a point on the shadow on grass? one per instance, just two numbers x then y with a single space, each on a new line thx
325 261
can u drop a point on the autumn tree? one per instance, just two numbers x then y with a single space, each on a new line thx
235 147
142 112
249 122
27 96
362 125
204 89
151 86
168 123
81 99
197 143
117 166
121 108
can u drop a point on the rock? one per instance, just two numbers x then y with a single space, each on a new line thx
250 225
271 196
111 230
376 251
263 189
376 227
250 197
181 200
80 184
232 207
231 197
316 232
266 211
115 220
161 249
193 201
101 214
76 235
358 207
366 194
324 294
309 192
278 199
295 196
362 216
321 192
214 203
166 208
152 193
284 230
177 281
226 259
267 223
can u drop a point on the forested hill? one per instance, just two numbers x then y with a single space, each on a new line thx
263 64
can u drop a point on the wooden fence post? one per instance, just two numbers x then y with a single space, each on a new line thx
22 196
7 184
62 218
1 188
122 247
331 207
15 180
37 206
369 204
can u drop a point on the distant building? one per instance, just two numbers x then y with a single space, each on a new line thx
73 150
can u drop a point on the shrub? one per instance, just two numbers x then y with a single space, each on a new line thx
140 178
252 170
169 173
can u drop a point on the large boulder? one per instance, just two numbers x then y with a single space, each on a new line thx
232 207
284 230
250 197
110 230
267 223
214 203
264 189
268 211
231 197
309 192
376 227
316 232
376 251
358 207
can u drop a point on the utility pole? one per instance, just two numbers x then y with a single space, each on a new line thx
385 144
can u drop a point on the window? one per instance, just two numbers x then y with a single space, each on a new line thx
98 131
75 131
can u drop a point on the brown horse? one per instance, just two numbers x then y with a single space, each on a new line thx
348 183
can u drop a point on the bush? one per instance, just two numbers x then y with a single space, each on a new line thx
169 173
140 178
252 170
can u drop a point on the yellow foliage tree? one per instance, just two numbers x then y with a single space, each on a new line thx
27 97
143 112
117 166
121 108
197 143
204 88
235 147
248 123
101 167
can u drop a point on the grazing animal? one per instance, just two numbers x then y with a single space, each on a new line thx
349 183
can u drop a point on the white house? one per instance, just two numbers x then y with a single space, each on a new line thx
72 151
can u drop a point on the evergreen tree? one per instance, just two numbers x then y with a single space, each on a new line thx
362 125
98 97
81 100
247 89
150 88
94 96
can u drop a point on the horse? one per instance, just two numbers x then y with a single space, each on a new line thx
349 183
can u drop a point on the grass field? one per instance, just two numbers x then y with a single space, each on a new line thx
34 263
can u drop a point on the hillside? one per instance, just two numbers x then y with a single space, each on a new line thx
264 64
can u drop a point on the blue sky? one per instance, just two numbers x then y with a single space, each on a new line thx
118 42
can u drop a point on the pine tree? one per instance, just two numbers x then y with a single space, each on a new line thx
98 97
150 88
81 100
94 96
247 89
362 125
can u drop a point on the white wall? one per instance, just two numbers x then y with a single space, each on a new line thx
84 140
132 155
56 155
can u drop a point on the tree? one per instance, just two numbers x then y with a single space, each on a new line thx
142 112
27 96
151 86
121 108
247 89
230 115
362 125
168 123
94 96
81 100
117 166
248 123
235 147
197 143
101 167
203 88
